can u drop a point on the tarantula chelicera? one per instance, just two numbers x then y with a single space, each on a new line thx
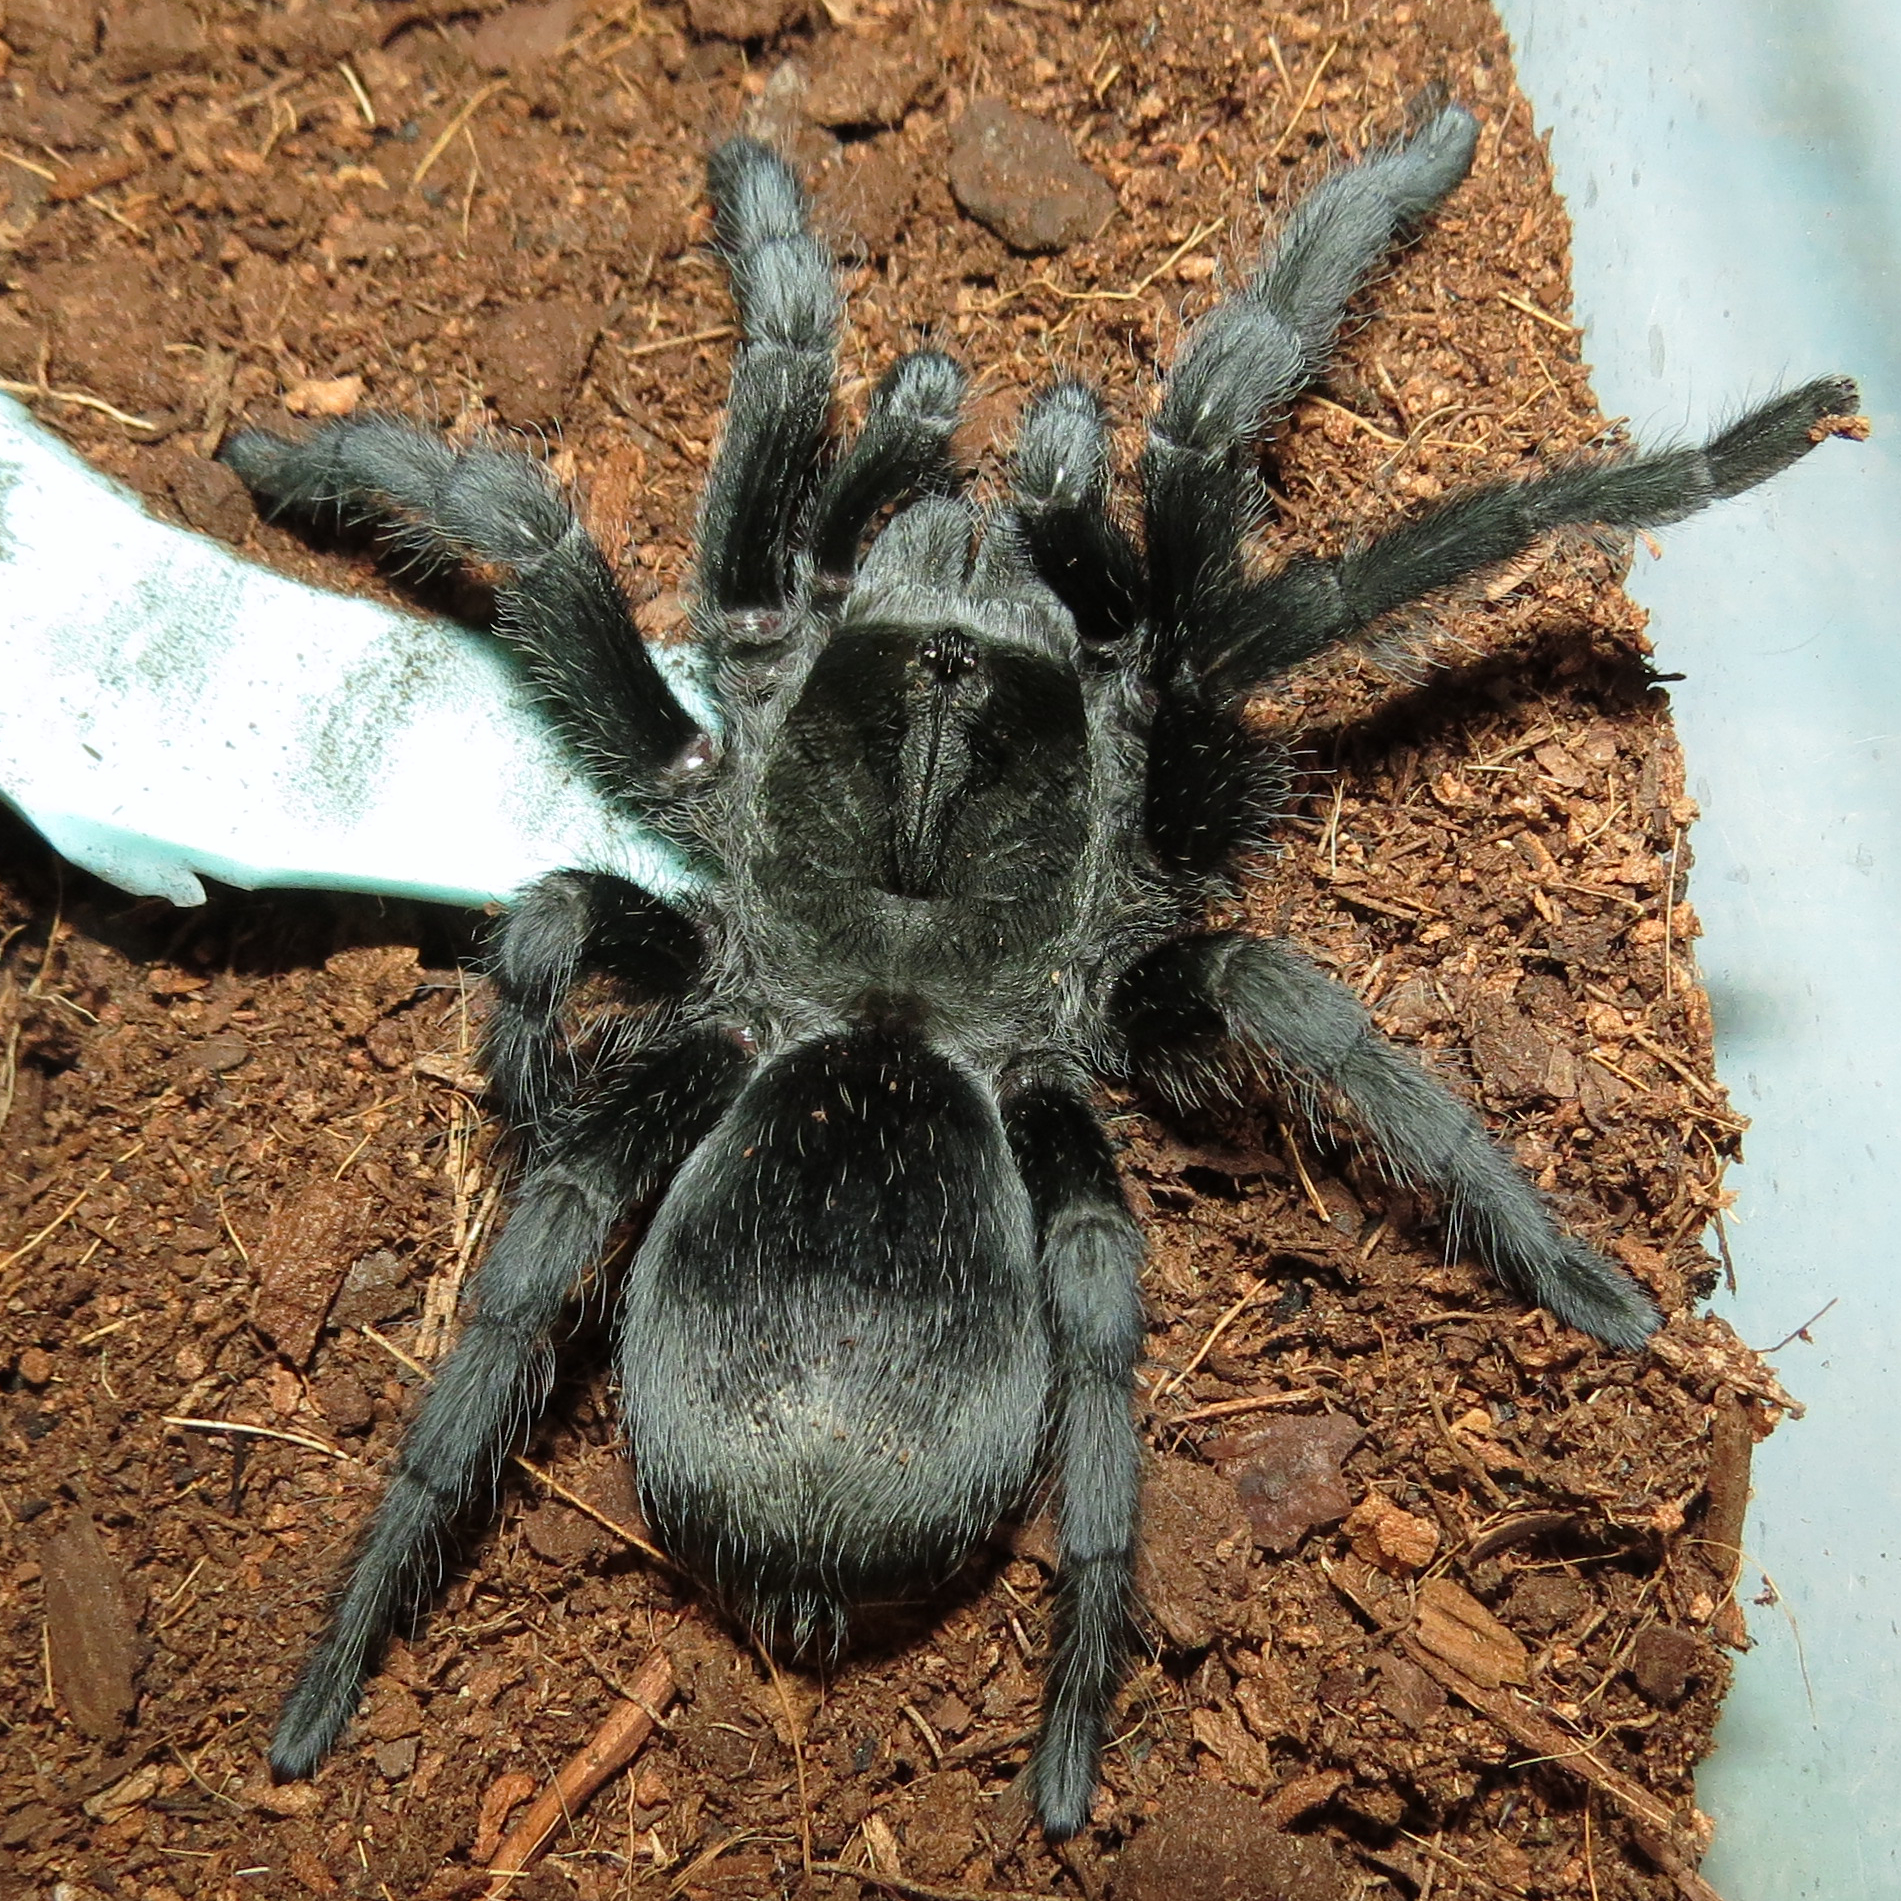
970 793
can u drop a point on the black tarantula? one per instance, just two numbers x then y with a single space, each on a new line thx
971 792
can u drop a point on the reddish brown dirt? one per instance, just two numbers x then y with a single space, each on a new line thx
1510 1647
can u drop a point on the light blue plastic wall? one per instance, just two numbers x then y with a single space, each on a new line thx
1733 173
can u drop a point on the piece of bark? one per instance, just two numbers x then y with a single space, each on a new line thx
1458 1629
92 174
122 1797
1271 1703
305 1251
1720 1543
1288 1475
1302 1794
1516 1530
90 1637
1406 1693
503 1796
1243 1758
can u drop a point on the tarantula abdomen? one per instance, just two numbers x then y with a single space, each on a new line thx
876 1403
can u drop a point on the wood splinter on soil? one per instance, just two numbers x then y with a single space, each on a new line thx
608 1751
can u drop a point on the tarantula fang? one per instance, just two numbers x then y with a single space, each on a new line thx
976 779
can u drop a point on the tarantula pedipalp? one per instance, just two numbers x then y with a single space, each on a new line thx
973 790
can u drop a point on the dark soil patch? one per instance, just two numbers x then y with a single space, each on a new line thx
256 1119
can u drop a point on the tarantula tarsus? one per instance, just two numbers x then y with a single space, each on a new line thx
971 792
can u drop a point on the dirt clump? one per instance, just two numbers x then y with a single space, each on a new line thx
1020 176
1211 1843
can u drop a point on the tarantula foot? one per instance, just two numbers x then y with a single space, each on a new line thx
1062 1776
1590 1293
312 1720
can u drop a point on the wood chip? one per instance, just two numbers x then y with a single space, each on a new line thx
1302 1794
1395 1540
1719 1540
132 1792
1241 1755
90 175
1459 1630
305 1252
325 396
92 1646
1519 1528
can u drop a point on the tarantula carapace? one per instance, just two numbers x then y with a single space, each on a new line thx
971 790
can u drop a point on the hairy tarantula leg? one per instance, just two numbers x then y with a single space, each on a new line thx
1270 625
904 448
1091 1253
1255 351
557 600
559 928
1187 1009
1060 475
497 1377
788 303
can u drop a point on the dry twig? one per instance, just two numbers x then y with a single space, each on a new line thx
921 1890
625 1533
1215 1332
609 1750
1306 99
1543 316
34 1241
1254 1403
260 1432
708 335
446 137
77 399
